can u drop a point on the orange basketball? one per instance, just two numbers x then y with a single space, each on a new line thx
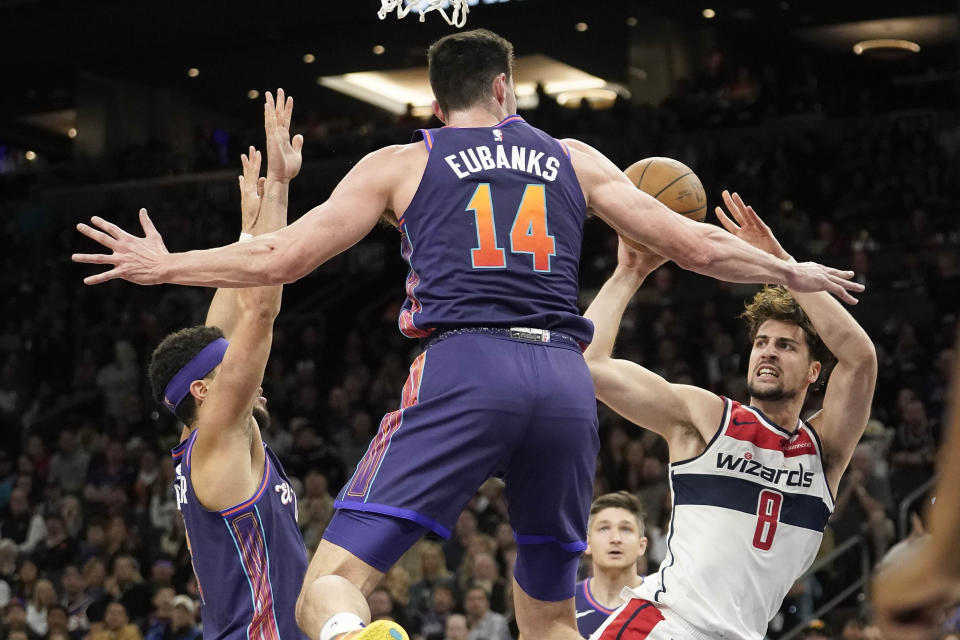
672 183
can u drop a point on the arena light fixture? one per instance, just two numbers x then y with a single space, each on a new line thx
597 98
253 94
581 26
72 132
393 90
379 49
709 14
30 155
885 44
193 72
309 58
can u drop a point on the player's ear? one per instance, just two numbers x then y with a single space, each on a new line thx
587 551
643 545
198 389
500 88
814 373
437 111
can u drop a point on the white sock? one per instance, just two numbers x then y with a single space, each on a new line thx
340 623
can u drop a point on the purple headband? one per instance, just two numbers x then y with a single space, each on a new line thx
203 363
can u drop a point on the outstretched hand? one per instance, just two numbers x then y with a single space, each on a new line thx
251 188
284 156
135 259
807 277
748 226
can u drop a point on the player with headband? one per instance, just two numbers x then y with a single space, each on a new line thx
239 510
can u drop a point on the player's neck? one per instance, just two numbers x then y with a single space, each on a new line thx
482 116
606 585
784 413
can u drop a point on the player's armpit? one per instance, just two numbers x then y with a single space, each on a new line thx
647 400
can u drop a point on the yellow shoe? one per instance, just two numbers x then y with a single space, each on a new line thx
379 630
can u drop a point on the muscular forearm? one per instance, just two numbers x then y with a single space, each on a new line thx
945 513
840 332
273 207
729 258
259 262
606 310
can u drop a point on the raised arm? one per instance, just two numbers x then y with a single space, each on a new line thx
849 393
695 246
263 201
911 594
636 393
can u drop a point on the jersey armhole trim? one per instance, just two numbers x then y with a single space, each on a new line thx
427 138
823 459
256 495
727 410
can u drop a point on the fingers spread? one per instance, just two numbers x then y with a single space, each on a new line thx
93 258
727 223
99 236
102 277
147 224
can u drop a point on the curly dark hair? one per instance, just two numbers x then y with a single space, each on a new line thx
619 500
462 65
774 302
171 355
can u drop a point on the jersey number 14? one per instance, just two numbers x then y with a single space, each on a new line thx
527 235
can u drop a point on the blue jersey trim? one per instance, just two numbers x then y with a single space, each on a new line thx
396 512
663 570
740 494
574 547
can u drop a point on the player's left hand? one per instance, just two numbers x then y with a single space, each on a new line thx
251 188
134 259
748 226
283 153
911 596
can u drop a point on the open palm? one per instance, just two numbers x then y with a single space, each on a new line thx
748 226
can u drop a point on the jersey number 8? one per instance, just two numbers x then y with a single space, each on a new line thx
768 516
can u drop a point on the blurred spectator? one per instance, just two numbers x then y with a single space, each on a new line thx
76 600
913 450
434 574
19 523
456 627
115 626
484 624
127 586
434 621
44 597
864 502
68 466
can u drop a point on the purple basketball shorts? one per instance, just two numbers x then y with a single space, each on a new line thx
476 406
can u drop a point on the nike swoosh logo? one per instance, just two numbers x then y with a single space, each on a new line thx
738 423
580 614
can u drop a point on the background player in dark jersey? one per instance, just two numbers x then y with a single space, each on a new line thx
615 544
491 213
238 508
752 486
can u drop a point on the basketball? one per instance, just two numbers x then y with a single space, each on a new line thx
672 183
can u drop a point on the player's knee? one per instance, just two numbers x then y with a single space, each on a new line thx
547 572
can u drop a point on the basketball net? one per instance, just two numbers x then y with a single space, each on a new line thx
457 17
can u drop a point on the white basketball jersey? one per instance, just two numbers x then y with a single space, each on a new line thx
748 517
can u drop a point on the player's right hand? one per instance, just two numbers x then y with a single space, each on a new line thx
134 259
636 257
283 154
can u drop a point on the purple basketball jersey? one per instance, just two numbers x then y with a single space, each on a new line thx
249 560
493 234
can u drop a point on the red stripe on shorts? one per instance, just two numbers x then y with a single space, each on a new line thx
635 622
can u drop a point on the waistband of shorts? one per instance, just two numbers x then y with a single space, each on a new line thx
519 334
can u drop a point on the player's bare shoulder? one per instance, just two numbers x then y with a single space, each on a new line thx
401 167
